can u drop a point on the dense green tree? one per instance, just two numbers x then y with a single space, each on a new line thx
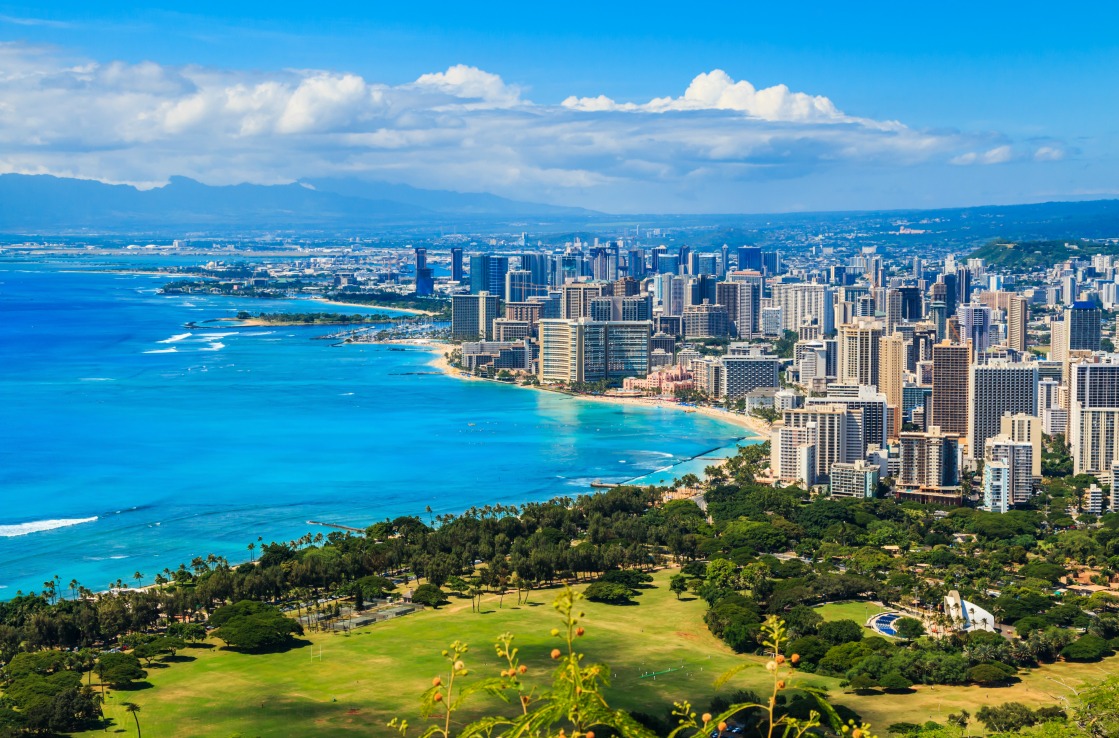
119 670
838 632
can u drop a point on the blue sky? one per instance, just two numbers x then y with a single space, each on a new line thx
886 106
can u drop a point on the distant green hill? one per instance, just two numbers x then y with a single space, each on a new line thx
1040 254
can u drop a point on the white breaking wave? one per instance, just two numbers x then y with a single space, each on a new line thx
175 338
216 335
38 526
171 350
218 346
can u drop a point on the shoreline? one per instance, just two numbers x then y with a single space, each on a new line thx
259 323
756 426
154 273
367 305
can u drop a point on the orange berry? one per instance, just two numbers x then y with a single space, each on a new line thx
436 682
438 697
556 653
706 718
590 734
522 668
856 733
795 658
781 684
579 631
722 727
780 659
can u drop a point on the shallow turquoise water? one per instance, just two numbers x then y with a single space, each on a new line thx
173 443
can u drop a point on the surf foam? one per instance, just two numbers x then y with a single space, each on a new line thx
38 526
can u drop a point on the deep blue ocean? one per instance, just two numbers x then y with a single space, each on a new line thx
131 443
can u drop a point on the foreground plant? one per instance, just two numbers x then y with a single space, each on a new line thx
574 706
774 638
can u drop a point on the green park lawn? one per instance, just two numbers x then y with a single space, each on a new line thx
860 612
378 672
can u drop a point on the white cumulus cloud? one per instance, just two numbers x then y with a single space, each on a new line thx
716 90
462 128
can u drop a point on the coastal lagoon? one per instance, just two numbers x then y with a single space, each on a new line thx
130 443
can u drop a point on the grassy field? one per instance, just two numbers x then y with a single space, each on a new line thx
347 685
860 612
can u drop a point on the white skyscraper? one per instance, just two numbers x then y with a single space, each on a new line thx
802 303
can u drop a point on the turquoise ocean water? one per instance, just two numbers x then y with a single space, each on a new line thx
130 443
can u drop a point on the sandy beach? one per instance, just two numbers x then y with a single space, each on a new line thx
756 426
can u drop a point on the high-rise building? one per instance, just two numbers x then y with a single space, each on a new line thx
833 430
539 266
707 264
930 467
975 325
743 303
1083 321
1058 340
750 257
505 330
425 277
668 264
626 287
518 285
996 389
586 350
635 263
487 273
1093 419
950 378
705 321
802 303
577 298
1017 322
771 321
792 453
858 352
456 264
528 312
893 310
744 374
874 419
858 480
1025 428
1114 478
637 307
472 316
910 303
891 378
1007 477
771 262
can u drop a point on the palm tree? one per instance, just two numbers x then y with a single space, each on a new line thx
133 708
252 549
139 578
